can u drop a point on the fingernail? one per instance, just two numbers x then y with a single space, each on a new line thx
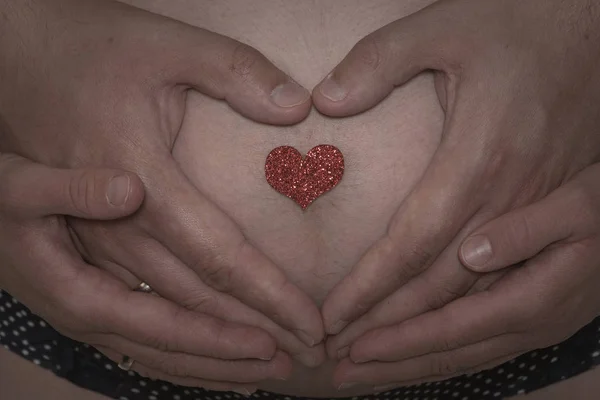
387 387
289 94
343 352
346 385
476 251
243 391
332 90
337 327
305 337
118 190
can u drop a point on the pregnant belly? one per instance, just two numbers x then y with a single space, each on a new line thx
386 149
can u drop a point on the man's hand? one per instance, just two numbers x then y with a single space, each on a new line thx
101 84
542 302
41 267
520 87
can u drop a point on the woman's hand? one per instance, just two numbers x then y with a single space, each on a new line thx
40 266
520 87
98 83
542 302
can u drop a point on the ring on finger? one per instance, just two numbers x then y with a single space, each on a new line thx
126 363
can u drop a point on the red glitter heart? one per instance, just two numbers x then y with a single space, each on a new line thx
304 180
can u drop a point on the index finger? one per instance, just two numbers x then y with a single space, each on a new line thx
425 224
211 244
160 324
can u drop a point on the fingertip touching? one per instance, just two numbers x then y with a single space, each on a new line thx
286 103
367 75
247 80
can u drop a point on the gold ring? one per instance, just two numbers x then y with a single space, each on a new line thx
143 287
126 363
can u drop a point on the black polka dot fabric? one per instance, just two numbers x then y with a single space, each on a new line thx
29 336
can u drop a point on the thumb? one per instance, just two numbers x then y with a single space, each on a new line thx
34 190
518 235
386 58
226 69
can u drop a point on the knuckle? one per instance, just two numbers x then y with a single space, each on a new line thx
170 365
444 366
446 342
442 295
368 51
160 340
201 301
520 230
244 60
414 262
219 271
587 205
217 275
80 191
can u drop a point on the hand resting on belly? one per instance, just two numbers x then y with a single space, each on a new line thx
385 149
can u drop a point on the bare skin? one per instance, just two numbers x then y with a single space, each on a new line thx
223 154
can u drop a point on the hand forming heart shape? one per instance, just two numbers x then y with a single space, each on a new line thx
304 180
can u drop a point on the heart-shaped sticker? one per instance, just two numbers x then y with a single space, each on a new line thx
303 180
